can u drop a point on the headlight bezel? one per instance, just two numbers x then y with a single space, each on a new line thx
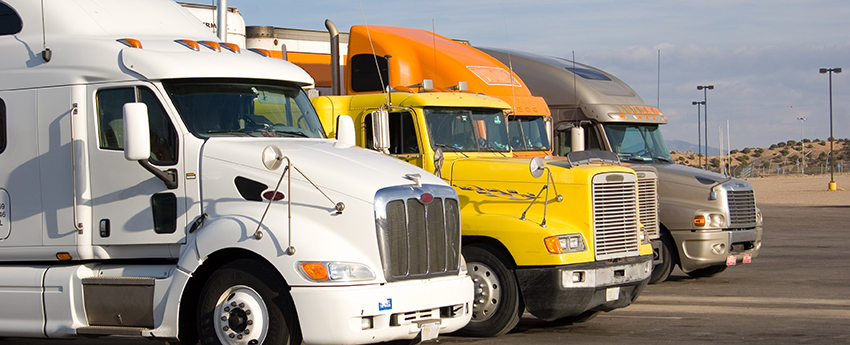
564 244
335 271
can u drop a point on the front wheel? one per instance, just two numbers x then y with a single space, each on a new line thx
244 303
706 272
497 306
661 271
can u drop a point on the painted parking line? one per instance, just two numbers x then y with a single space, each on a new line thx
739 300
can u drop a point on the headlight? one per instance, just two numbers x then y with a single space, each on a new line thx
336 271
565 243
716 220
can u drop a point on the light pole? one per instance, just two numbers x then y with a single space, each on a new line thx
699 134
831 163
802 146
705 89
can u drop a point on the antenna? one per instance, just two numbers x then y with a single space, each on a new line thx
658 90
375 55
434 48
575 92
511 68
46 54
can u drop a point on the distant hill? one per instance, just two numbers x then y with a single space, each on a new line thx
680 145
783 157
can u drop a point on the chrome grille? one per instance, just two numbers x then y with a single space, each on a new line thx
648 197
742 207
615 216
418 239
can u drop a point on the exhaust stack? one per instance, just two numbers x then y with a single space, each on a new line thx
335 88
221 26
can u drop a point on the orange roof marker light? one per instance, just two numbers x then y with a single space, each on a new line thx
189 44
214 46
233 47
131 42
263 52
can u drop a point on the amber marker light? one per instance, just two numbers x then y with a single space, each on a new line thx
315 270
214 46
131 42
553 245
231 47
699 221
189 44
63 256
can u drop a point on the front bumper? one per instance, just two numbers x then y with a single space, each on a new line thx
551 293
335 314
704 248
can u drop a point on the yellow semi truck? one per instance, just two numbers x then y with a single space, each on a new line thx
560 238
563 246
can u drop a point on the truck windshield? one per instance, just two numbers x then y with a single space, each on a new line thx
638 143
528 133
244 108
453 129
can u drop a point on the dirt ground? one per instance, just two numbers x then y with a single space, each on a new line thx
802 190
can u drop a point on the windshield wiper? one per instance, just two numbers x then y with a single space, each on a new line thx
229 131
291 132
664 159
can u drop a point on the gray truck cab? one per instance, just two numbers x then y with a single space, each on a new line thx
708 221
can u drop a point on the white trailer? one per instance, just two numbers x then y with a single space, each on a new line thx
158 183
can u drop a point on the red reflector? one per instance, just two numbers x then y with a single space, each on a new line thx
272 195
426 198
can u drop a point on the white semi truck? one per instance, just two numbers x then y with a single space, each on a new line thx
158 183
708 221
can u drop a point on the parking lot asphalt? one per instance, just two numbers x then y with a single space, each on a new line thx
795 292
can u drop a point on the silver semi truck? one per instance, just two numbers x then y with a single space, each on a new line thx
708 221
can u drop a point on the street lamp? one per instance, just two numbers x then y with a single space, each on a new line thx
831 162
705 89
699 134
802 146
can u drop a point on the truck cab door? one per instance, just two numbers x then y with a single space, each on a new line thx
592 138
131 206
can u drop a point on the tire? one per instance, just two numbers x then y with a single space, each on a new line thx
245 300
497 306
661 271
706 272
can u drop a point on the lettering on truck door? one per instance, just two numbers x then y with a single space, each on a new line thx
129 204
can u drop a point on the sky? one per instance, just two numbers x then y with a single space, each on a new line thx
762 56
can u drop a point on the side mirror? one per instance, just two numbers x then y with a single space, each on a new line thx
577 138
438 162
344 131
536 167
381 130
137 140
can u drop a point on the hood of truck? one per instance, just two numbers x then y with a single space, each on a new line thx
686 175
517 170
351 171
685 192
